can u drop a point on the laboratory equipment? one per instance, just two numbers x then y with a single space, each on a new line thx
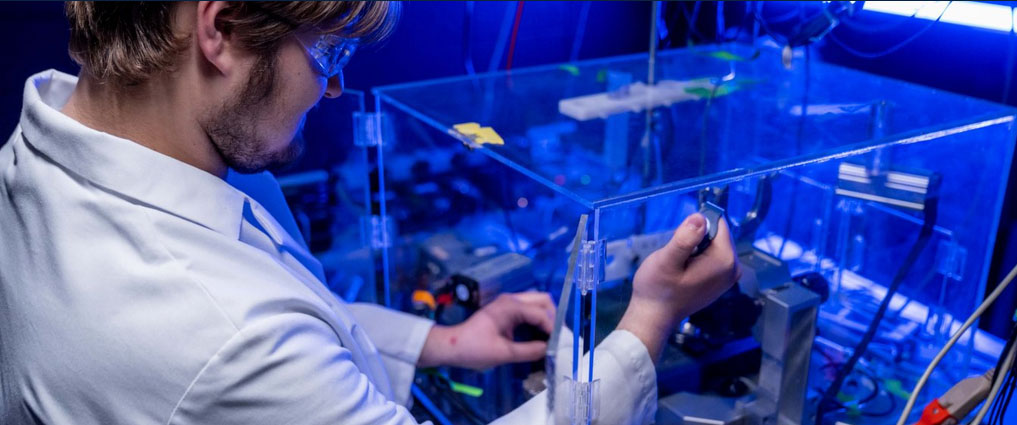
840 187
328 191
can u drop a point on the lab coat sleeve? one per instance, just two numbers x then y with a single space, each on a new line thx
399 338
285 369
628 387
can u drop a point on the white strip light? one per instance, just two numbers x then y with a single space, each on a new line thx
971 13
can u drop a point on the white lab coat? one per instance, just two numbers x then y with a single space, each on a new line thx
136 289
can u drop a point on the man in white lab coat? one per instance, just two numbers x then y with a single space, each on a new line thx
141 284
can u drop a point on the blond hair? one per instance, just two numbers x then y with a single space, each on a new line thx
125 43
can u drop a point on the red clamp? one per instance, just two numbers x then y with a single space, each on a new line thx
936 414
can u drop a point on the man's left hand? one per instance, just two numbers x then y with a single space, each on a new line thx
486 338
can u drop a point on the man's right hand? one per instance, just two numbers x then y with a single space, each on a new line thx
670 285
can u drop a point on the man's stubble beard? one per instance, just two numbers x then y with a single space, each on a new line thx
233 126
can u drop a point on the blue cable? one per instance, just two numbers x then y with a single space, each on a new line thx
866 55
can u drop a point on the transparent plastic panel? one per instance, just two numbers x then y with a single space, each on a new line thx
829 178
734 110
789 224
327 191
463 228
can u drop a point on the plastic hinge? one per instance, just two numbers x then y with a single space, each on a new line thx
376 231
584 401
369 129
951 258
590 265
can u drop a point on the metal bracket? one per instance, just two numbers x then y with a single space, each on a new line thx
590 265
375 231
370 129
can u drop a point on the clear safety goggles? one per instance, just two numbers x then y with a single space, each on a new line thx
331 53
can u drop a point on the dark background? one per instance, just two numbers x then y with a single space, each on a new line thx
438 39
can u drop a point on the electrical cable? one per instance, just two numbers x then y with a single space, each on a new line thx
468 39
577 42
994 415
501 42
855 26
429 406
872 381
780 39
783 18
928 225
1011 385
873 55
887 412
999 408
445 391
869 398
515 32
691 21
953 340
1002 406
996 386
746 19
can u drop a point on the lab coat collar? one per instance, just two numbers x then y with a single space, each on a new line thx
121 165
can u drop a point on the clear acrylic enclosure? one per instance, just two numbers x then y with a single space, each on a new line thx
329 192
833 180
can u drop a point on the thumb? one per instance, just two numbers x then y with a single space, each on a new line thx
689 234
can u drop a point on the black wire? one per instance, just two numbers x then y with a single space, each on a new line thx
468 39
868 399
691 21
893 407
783 18
928 225
1011 385
898 46
872 380
999 406
746 21
445 391
999 363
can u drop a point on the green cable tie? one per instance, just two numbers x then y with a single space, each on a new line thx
469 390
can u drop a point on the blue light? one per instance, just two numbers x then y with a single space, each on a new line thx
973 14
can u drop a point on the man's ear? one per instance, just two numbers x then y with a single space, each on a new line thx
213 43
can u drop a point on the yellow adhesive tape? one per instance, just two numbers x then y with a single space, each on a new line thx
479 135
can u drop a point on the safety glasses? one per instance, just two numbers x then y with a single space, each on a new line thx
331 53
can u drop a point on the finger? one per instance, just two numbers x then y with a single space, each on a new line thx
527 351
535 315
688 235
540 299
